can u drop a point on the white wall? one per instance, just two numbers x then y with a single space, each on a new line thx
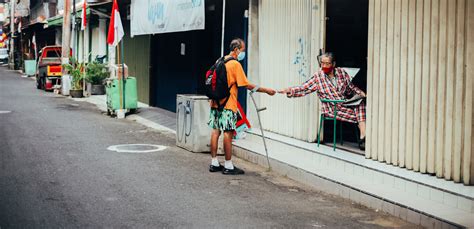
420 87
285 36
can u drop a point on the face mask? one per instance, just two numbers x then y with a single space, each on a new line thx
241 56
327 70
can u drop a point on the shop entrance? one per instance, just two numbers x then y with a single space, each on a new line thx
179 60
347 36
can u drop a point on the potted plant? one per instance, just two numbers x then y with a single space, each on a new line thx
96 74
75 70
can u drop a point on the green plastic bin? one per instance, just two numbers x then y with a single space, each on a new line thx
30 67
113 94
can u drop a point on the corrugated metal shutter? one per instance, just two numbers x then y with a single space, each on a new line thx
420 85
289 40
137 57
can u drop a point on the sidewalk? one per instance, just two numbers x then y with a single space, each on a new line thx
153 117
418 198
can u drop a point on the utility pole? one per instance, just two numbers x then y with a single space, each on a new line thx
73 33
66 36
12 32
65 47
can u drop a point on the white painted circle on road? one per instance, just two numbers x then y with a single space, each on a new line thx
5 112
136 148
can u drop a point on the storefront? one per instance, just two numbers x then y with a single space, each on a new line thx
418 74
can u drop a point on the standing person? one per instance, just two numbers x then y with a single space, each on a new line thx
225 120
333 83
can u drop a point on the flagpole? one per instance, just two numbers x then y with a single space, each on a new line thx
120 80
123 73
84 61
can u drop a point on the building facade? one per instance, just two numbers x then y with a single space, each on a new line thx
417 75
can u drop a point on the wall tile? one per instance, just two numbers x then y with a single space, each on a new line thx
388 181
428 222
423 191
400 184
450 199
388 208
436 195
369 175
465 204
413 217
411 188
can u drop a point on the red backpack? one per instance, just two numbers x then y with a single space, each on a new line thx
216 85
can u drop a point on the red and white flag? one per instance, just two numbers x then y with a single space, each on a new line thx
84 15
115 28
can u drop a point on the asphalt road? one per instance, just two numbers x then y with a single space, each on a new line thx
56 172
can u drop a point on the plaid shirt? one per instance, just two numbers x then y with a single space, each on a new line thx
321 84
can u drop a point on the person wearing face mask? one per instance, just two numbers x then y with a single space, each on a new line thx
225 120
333 83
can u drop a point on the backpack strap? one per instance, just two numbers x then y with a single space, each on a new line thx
220 106
228 59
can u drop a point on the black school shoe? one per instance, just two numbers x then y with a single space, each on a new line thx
213 169
235 171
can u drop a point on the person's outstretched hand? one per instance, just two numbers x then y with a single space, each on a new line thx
284 91
270 91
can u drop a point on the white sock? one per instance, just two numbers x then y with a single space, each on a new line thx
214 161
228 164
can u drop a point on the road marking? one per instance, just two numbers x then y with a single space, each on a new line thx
136 148
5 112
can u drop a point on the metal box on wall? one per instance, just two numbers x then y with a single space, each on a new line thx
192 115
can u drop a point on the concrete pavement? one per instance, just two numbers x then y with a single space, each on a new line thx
56 171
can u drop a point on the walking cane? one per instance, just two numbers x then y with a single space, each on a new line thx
261 128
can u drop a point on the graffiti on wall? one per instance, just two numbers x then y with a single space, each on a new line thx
301 59
185 121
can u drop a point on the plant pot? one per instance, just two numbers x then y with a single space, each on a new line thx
98 89
88 91
76 93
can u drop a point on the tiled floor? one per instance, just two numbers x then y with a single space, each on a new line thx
422 193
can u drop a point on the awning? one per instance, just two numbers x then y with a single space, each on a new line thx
34 23
58 19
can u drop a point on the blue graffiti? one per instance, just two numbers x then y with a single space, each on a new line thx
196 3
156 11
301 60
189 5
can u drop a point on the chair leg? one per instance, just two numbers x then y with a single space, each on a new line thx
340 133
357 134
334 140
320 127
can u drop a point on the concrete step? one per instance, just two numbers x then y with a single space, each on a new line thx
419 198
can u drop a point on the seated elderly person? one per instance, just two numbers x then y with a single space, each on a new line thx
334 83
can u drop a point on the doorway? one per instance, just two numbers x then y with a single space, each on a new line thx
347 27
179 60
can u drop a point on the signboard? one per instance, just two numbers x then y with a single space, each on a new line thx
22 8
166 16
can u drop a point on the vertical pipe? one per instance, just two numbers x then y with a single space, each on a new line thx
12 32
223 27
66 36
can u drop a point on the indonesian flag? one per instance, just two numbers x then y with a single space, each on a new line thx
84 15
115 28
